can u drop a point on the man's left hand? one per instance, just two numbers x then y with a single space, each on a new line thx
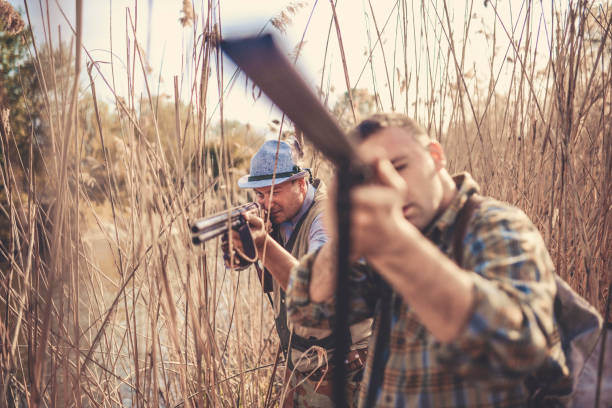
377 216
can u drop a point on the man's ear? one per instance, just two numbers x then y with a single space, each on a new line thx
303 185
437 153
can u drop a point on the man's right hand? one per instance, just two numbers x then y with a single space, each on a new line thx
375 215
277 260
258 229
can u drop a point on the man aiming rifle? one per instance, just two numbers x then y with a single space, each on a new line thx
294 205
463 285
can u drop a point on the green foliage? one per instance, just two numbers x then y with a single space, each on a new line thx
93 174
235 141
364 104
160 120
20 103
10 20
20 94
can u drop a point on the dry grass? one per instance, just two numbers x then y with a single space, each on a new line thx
104 300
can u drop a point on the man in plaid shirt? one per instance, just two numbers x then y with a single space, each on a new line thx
446 335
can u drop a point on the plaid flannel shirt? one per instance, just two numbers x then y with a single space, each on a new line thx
488 363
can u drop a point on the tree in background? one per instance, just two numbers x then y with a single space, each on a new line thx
364 105
19 91
10 20
236 143
20 95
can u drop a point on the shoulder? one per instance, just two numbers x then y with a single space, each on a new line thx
501 239
497 215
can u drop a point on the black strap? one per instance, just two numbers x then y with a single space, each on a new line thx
265 278
461 224
377 374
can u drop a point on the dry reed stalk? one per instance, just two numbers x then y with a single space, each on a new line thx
382 50
367 62
59 231
346 75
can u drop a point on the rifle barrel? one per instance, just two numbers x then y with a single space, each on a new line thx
214 225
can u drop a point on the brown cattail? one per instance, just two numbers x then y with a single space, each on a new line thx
188 16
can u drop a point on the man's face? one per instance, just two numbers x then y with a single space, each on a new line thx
286 201
418 165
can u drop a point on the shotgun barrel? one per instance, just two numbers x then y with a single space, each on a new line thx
215 225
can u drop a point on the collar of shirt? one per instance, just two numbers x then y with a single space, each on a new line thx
286 228
466 186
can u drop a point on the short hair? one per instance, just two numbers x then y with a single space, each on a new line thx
379 121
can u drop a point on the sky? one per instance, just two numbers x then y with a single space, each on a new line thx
168 45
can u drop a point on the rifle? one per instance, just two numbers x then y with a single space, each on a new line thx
219 224
262 60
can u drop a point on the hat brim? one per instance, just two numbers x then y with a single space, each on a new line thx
243 182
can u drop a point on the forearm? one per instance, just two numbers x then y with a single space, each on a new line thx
323 278
438 291
308 312
277 261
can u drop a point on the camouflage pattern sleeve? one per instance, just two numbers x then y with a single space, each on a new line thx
511 268
320 315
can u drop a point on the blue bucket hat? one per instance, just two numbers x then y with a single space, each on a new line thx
262 166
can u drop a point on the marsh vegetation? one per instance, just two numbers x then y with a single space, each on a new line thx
103 299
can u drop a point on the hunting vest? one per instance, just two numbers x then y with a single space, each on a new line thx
294 339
